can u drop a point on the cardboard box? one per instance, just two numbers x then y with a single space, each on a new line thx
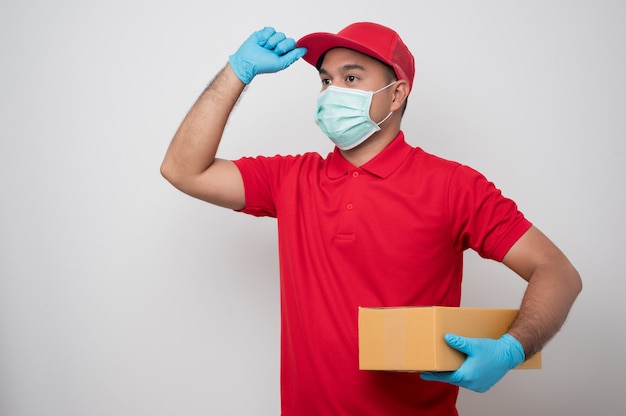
412 338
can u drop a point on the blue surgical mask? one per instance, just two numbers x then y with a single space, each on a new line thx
343 114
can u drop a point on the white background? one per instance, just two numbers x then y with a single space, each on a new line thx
121 296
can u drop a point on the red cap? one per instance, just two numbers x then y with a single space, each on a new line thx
371 39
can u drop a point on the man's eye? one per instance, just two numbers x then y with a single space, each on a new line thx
325 81
351 78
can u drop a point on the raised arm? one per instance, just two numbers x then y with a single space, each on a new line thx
190 163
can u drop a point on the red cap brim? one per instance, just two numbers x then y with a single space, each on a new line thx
319 43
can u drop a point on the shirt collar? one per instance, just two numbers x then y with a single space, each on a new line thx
382 165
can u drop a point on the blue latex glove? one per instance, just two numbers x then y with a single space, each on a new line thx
263 52
488 360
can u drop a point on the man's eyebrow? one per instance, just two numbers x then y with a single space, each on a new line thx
350 67
347 67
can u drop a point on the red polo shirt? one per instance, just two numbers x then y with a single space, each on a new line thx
389 233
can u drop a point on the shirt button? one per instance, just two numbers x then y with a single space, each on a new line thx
349 206
355 174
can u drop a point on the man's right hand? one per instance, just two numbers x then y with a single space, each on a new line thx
265 51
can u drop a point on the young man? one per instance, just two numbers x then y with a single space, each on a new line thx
374 223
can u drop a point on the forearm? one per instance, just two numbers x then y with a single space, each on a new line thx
545 306
193 148
553 285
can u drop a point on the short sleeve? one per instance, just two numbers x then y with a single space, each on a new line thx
481 217
258 174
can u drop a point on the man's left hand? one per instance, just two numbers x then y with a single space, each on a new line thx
488 360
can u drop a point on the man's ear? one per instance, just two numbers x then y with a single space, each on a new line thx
400 93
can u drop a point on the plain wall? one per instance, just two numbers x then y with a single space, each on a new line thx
119 295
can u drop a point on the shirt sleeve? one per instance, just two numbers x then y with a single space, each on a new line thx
259 185
481 217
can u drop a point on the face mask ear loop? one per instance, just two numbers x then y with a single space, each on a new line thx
385 87
384 119
388 115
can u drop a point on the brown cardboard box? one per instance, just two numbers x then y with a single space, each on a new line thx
412 338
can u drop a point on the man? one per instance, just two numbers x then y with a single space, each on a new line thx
375 223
